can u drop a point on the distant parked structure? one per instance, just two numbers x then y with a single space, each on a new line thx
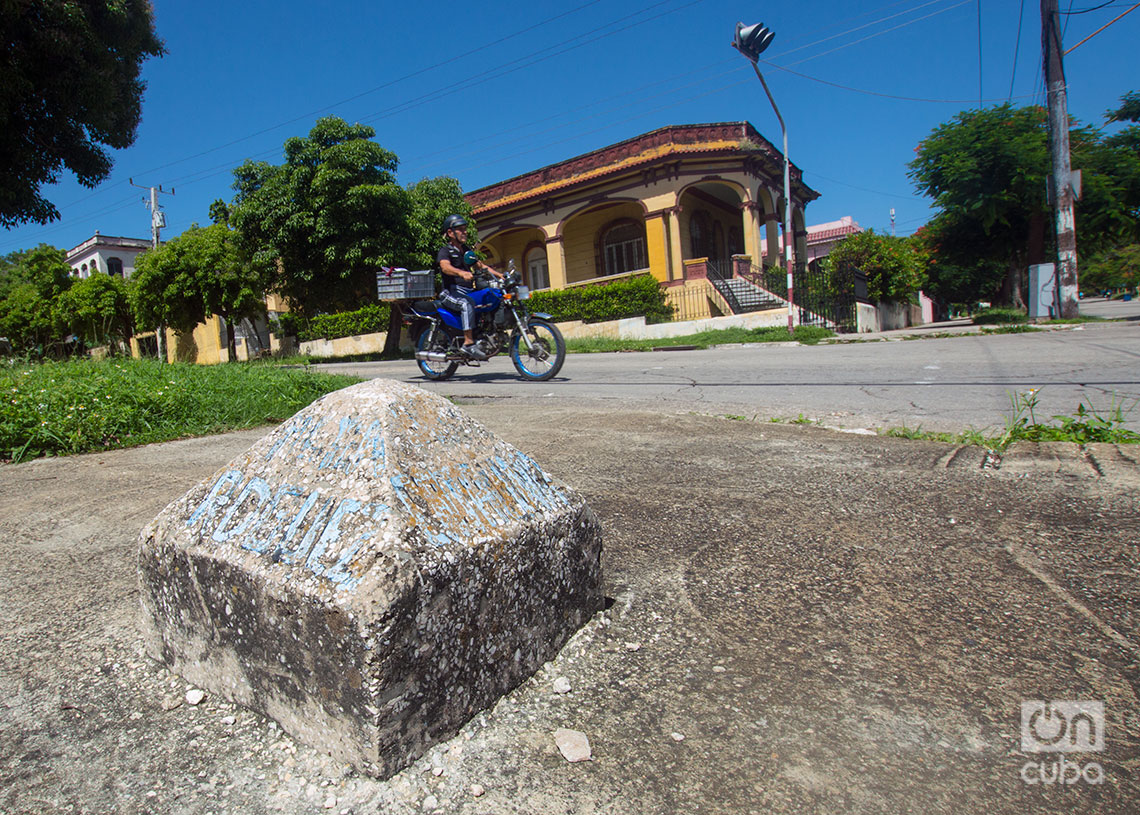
106 254
822 238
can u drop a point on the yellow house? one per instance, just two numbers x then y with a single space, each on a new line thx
677 202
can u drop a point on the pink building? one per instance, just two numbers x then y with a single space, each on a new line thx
822 238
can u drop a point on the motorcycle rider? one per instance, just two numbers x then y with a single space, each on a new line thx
459 279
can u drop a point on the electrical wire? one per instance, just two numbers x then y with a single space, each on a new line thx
1071 13
979 53
1016 51
885 31
1102 28
877 93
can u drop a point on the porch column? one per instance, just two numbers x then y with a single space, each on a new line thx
676 263
657 246
799 234
772 227
556 262
750 214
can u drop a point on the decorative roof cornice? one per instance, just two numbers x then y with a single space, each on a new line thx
671 143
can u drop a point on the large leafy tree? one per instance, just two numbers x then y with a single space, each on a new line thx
432 200
986 171
98 310
69 85
194 276
30 282
893 270
320 226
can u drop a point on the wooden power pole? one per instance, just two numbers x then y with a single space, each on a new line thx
1062 180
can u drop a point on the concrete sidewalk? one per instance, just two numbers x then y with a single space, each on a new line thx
800 621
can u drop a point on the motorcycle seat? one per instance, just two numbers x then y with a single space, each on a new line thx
427 305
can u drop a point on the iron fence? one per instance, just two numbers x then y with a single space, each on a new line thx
696 303
821 298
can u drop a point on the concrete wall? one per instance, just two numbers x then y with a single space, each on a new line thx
631 328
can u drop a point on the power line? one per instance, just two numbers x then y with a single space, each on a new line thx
885 31
461 55
979 53
1102 28
877 93
1071 13
1016 50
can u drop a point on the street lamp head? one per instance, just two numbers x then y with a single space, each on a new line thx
751 40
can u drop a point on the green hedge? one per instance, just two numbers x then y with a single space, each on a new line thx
1000 316
371 319
638 296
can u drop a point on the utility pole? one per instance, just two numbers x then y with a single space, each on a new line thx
157 222
892 222
1061 182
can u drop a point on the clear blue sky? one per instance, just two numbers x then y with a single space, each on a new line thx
486 91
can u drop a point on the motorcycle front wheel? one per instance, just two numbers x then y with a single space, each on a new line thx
437 371
544 357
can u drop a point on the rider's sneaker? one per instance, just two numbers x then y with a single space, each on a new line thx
473 352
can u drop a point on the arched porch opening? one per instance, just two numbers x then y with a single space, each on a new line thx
517 243
604 240
714 222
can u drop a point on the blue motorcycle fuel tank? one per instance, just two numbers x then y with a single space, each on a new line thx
485 300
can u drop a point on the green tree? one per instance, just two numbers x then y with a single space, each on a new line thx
26 319
194 276
1117 268
986 172
1129 110
98 310
30 282
70 83
894 271
432 200
320 226
45 267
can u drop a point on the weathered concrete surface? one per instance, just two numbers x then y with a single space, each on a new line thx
370 574
831 623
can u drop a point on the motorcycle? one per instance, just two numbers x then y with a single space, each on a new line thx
502 324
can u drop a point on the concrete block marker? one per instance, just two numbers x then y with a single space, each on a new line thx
370 574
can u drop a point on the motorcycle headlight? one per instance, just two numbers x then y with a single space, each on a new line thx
522 292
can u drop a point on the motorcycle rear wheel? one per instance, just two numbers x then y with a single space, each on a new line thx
436 371
543 359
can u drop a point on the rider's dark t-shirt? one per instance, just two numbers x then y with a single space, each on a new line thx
454 255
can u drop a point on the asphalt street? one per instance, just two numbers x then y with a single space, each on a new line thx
893 380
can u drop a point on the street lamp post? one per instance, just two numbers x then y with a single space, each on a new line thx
751 40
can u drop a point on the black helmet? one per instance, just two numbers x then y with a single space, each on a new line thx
453 222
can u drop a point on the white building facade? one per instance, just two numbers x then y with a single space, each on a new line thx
107 255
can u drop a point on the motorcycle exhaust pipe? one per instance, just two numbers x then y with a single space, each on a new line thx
431 356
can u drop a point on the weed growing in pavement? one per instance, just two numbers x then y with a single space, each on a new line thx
1012 329
60 408
1085 426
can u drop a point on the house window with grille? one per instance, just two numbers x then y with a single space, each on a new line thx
114 267
623 248
700 235
735 241
537 272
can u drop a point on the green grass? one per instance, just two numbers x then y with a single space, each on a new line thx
999 316
808 335
1011 329
1087 425
60 408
